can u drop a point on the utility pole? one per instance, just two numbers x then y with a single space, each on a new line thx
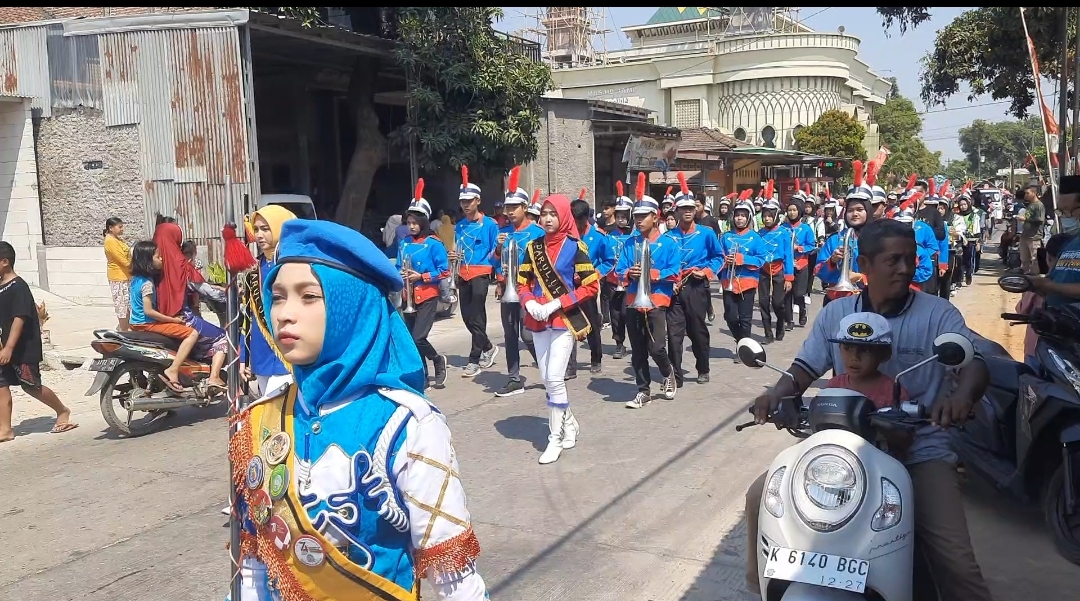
1063 98
1076 96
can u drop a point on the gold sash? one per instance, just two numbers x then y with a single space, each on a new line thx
554 287
337 578
253 283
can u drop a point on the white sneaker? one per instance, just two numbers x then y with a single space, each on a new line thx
639 401
571 429
670 387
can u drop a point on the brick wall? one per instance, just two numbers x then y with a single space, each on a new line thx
20 215
75 201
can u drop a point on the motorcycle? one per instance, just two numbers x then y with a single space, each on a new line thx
1025 435
835 520
143 358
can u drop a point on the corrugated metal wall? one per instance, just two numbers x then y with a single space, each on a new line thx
24 66
183 88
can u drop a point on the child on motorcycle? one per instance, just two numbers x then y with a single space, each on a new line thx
865 341
146 268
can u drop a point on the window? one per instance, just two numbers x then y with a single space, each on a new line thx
687 114
768 137
740 134
794 132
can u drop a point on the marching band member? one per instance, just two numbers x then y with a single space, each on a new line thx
667 209
335 471
723 213
971 223
617 238
606 224
647 328
700 255
555 281
938 248
744 253
758 203
429 267
805 244
877 200
476 236
777 272
533 212
522 231
831 256
260 358
704 218
596 247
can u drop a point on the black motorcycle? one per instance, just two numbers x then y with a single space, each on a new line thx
1025 434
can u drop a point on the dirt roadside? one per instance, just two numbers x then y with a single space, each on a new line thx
982 304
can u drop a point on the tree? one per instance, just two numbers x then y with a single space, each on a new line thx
834 134
474 98
894 88
984 48
958 170
993 145
899 126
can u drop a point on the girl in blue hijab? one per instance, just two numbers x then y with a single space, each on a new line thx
338 466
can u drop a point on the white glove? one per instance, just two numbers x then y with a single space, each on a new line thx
548 308
535 309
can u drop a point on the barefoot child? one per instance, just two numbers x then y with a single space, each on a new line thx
145 267
20 355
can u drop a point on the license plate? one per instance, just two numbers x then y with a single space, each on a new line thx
833 571
104 364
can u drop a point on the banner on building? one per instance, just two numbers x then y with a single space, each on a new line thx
643 153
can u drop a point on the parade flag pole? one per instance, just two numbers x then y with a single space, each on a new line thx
237 258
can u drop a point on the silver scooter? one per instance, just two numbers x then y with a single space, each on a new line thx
836 521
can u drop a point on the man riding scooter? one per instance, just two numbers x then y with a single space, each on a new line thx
887 256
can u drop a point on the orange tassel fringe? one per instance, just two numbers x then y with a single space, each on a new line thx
449 556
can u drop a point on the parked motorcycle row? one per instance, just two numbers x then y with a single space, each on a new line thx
1023 436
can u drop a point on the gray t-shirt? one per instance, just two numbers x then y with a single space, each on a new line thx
925 317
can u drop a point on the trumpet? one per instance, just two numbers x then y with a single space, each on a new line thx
844 286
618 251
510 260
643 300
731 268
410 300
455 266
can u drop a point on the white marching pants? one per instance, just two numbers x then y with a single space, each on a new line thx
553 348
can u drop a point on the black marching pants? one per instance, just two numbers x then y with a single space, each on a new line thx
739 312
930 286
514 333
686 319
419 325
797 297
648 338
606 288
617 313
596 349
771 300
472 299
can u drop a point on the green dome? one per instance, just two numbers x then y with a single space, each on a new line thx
671 14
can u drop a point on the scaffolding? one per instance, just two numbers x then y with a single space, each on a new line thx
568 35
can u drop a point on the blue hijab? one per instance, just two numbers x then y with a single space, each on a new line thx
366 343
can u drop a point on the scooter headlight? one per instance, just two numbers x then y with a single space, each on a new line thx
891 509
774 503
832 488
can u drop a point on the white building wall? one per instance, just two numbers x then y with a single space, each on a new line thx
782 103
20 209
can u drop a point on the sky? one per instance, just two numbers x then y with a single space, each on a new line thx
890 57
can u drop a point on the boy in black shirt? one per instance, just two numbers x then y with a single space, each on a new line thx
20 348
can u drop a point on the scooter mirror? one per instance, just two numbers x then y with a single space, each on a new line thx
751 353
1016 284
953 350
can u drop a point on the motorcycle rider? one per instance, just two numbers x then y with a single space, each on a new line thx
1062 285
887 257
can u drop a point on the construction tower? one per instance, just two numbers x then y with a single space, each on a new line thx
566 35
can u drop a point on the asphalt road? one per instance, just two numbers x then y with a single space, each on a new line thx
648 507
